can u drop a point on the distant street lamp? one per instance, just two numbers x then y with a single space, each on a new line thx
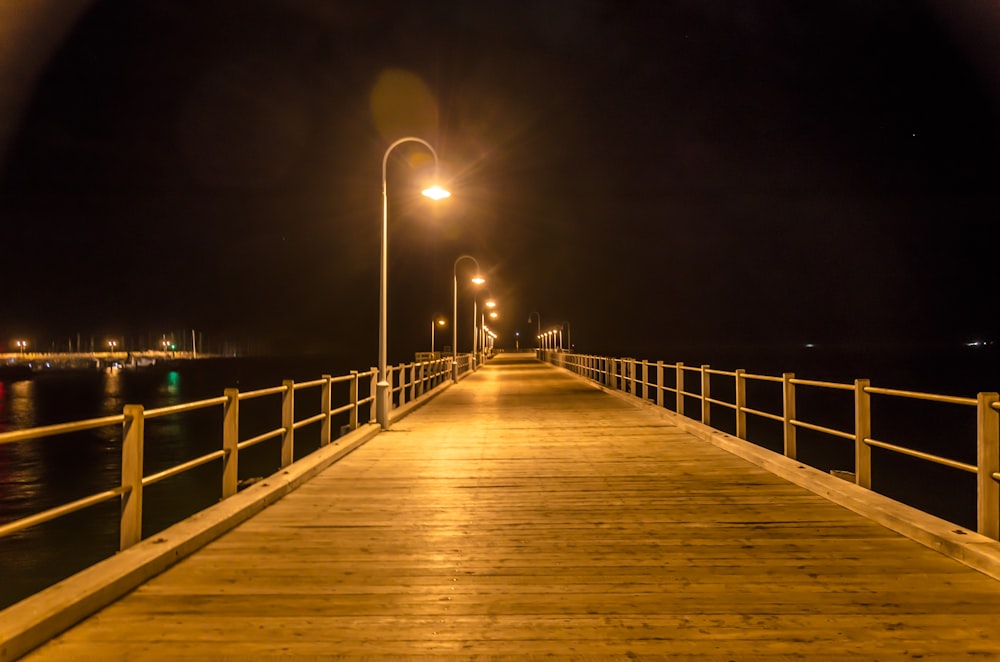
435 193
491 304
478 280
538 333
437 321
21 345
112 344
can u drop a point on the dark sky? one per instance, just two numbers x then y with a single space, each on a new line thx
657 173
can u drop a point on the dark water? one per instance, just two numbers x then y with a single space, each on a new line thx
43 473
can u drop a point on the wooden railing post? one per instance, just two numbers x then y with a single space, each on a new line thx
326 393
288 423
862 431
788 413
706 406
659 383
131 504
988 442
413 381
353 398
645 379
680 388
741 403
230 442
421 378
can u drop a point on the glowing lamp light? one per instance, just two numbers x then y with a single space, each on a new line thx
436 193
478 280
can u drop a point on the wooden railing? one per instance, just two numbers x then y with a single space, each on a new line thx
409 383
653 382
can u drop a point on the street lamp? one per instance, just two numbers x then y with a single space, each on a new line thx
21 345
478 280
539 332
491 304
437 321
569 337
435 193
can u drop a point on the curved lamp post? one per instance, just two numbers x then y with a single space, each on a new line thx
539 332
478 280
569 337
435 193
481 334
437 321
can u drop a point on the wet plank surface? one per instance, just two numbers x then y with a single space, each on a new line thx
525 514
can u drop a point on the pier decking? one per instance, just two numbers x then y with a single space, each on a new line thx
526 513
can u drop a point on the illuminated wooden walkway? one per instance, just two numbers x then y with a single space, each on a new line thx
525 513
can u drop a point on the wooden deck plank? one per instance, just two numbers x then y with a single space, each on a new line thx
526 514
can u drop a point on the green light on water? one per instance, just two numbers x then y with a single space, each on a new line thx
173 382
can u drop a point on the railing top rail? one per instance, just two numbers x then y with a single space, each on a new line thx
762 378
951 399
185 407
262 392
60 428
812 382
310 384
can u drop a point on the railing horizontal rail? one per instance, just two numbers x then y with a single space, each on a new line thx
185 407
825 430
181 468
274 390
308 421
764 414
253 441
60 511
342 409
313 384
936 459
762 378
721 403
916 395
813 382
60 428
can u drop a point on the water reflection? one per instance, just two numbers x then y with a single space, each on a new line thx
21 412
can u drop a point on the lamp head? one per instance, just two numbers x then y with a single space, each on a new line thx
436 193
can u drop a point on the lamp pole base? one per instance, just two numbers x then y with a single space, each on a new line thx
382 404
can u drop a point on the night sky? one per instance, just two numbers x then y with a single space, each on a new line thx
660 173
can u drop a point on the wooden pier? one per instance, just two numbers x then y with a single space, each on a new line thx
525 513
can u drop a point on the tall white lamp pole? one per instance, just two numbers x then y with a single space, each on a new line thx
478 280
435 193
